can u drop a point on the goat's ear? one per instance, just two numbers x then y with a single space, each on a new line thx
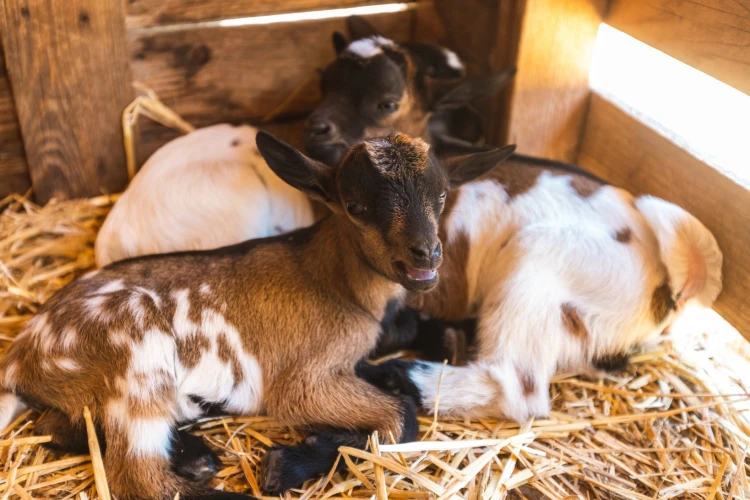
309 176
359 28
455 92
339 42
467 167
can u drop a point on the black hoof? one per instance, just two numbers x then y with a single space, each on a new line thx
193 459
286 467
281 471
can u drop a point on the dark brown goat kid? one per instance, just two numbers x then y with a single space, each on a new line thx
273 325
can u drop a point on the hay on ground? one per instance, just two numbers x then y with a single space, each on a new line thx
676 424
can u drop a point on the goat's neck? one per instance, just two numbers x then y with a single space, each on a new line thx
334 258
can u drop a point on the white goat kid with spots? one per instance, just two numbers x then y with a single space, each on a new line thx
564 274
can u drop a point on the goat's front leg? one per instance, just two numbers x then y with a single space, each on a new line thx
349 409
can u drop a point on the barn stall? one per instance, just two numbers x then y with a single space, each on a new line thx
675 424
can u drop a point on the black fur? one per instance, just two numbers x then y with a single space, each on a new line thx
392 376
286 467
192 458
217 495
612 363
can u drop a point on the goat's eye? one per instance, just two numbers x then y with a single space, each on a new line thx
388 106
355 208
443 196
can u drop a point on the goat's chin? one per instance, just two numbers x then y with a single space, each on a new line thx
328 153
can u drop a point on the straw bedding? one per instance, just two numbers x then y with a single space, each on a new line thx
656 431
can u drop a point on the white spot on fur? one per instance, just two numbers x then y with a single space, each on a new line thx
150 437
213 380
150 294
367 48
67 338
452 59
111 287
89 275
67 364
155 352
10 377
181 323
94 306
205 289
10 408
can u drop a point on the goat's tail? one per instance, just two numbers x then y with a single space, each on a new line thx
689 251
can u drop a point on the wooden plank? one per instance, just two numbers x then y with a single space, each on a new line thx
550 92
149 13
68 66
627 153
14 173
710 35
240 75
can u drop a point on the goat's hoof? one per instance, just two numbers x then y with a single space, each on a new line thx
193 459
201 470
280 471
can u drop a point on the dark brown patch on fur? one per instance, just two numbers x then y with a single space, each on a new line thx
516 180
573 322
190 349
528 386
624 235
584 186
227 355
662 303
236 142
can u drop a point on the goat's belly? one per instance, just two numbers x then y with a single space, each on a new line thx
232 382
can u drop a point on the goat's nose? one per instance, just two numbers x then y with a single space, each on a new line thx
320 127
425 251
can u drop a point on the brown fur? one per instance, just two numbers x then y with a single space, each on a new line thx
662 303
528 386
450 299
305 306
573 322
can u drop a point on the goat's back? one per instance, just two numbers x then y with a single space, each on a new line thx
205 190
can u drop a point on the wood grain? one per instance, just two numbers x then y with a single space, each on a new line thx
240 75
68 66
149 13
627 153
14 173
550 93
710 35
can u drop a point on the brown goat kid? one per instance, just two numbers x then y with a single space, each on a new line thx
273 325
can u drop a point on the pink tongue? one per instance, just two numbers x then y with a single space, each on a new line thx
420 274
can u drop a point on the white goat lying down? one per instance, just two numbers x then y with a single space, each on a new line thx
208 189
561 270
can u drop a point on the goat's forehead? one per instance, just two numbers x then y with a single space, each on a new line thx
397 154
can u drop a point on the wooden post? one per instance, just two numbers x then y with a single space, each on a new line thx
550 92
69 70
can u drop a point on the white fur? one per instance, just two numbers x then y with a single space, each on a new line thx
452 59
367 48
10 408
150 437
200 192
549 248
111 287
